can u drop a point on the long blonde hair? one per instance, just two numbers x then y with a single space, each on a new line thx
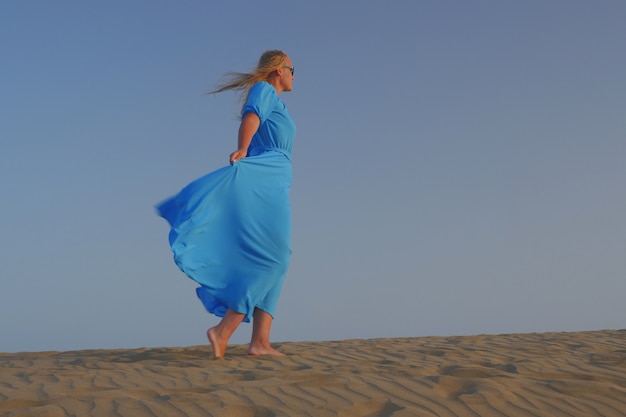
240 81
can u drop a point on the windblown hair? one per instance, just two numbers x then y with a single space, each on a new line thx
238 81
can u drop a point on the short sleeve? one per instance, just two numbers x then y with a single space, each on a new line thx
262 100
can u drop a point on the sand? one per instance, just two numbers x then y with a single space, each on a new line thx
538 374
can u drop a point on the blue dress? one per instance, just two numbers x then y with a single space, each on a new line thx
230 229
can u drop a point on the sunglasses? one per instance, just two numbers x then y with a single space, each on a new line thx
292 68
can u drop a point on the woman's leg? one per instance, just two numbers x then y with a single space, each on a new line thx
260 342
220 334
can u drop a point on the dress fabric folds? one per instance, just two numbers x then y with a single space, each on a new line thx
231 229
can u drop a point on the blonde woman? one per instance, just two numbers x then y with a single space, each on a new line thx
230 230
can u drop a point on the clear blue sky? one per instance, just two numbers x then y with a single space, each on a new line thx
459 168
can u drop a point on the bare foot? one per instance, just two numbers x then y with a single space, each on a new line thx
219 347
257 350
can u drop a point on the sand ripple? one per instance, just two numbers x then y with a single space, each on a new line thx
543 374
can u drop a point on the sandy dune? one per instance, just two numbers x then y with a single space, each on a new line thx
542 374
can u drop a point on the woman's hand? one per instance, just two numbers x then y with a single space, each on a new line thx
237 155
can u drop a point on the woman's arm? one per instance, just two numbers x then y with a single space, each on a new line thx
248 127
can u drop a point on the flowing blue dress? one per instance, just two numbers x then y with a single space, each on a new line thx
230 229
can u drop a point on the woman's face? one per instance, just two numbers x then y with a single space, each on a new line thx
286 76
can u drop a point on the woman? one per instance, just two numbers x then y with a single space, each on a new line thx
230 230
